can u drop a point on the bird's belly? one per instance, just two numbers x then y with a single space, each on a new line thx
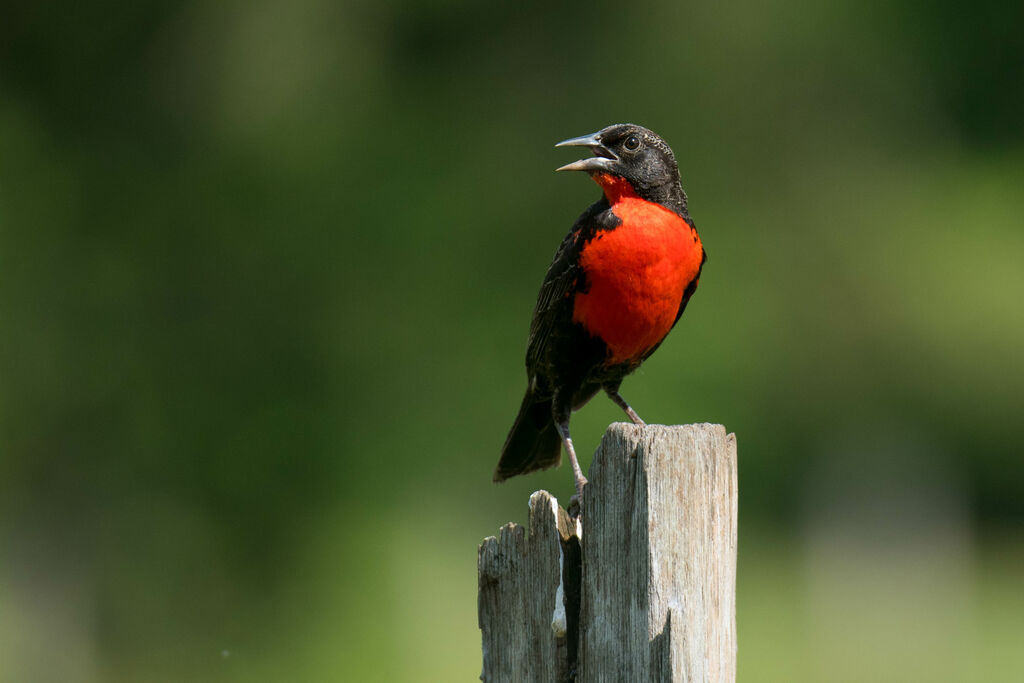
635 276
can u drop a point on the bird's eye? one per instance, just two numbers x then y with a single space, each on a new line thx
632 143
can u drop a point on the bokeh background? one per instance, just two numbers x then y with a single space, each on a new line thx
266 271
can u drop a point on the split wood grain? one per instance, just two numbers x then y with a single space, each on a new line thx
644 591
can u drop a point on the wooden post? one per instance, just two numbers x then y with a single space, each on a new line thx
649 594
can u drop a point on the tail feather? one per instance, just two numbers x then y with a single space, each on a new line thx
533 442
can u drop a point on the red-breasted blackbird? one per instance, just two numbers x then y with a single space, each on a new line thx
617 285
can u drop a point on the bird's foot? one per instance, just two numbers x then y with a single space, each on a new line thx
574 507
634 417
581 481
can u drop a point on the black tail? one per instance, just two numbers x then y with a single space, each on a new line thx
533 443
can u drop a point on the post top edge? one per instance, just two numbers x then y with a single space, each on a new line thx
692 427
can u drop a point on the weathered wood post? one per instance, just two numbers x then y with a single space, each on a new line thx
642 587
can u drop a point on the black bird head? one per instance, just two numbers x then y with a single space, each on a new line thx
637 155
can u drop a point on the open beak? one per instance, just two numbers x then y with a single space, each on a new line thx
602 161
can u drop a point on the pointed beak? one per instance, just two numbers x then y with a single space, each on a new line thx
591 140
601 162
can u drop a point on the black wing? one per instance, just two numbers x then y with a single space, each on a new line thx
692 287
563 279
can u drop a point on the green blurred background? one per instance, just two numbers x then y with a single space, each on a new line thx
266 272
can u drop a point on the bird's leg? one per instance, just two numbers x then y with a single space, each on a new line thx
560 414
613 393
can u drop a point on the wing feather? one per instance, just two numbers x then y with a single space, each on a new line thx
564 278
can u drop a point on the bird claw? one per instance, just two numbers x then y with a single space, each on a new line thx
581 481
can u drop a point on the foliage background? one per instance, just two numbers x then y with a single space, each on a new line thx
266 270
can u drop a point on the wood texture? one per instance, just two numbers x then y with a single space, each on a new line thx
650 593
659 556
528 615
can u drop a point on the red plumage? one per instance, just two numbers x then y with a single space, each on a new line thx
617 285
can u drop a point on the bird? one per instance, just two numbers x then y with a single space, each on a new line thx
618 283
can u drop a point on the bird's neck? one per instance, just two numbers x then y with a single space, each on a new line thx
670 194
616 188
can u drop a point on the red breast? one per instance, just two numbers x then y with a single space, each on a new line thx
636 273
